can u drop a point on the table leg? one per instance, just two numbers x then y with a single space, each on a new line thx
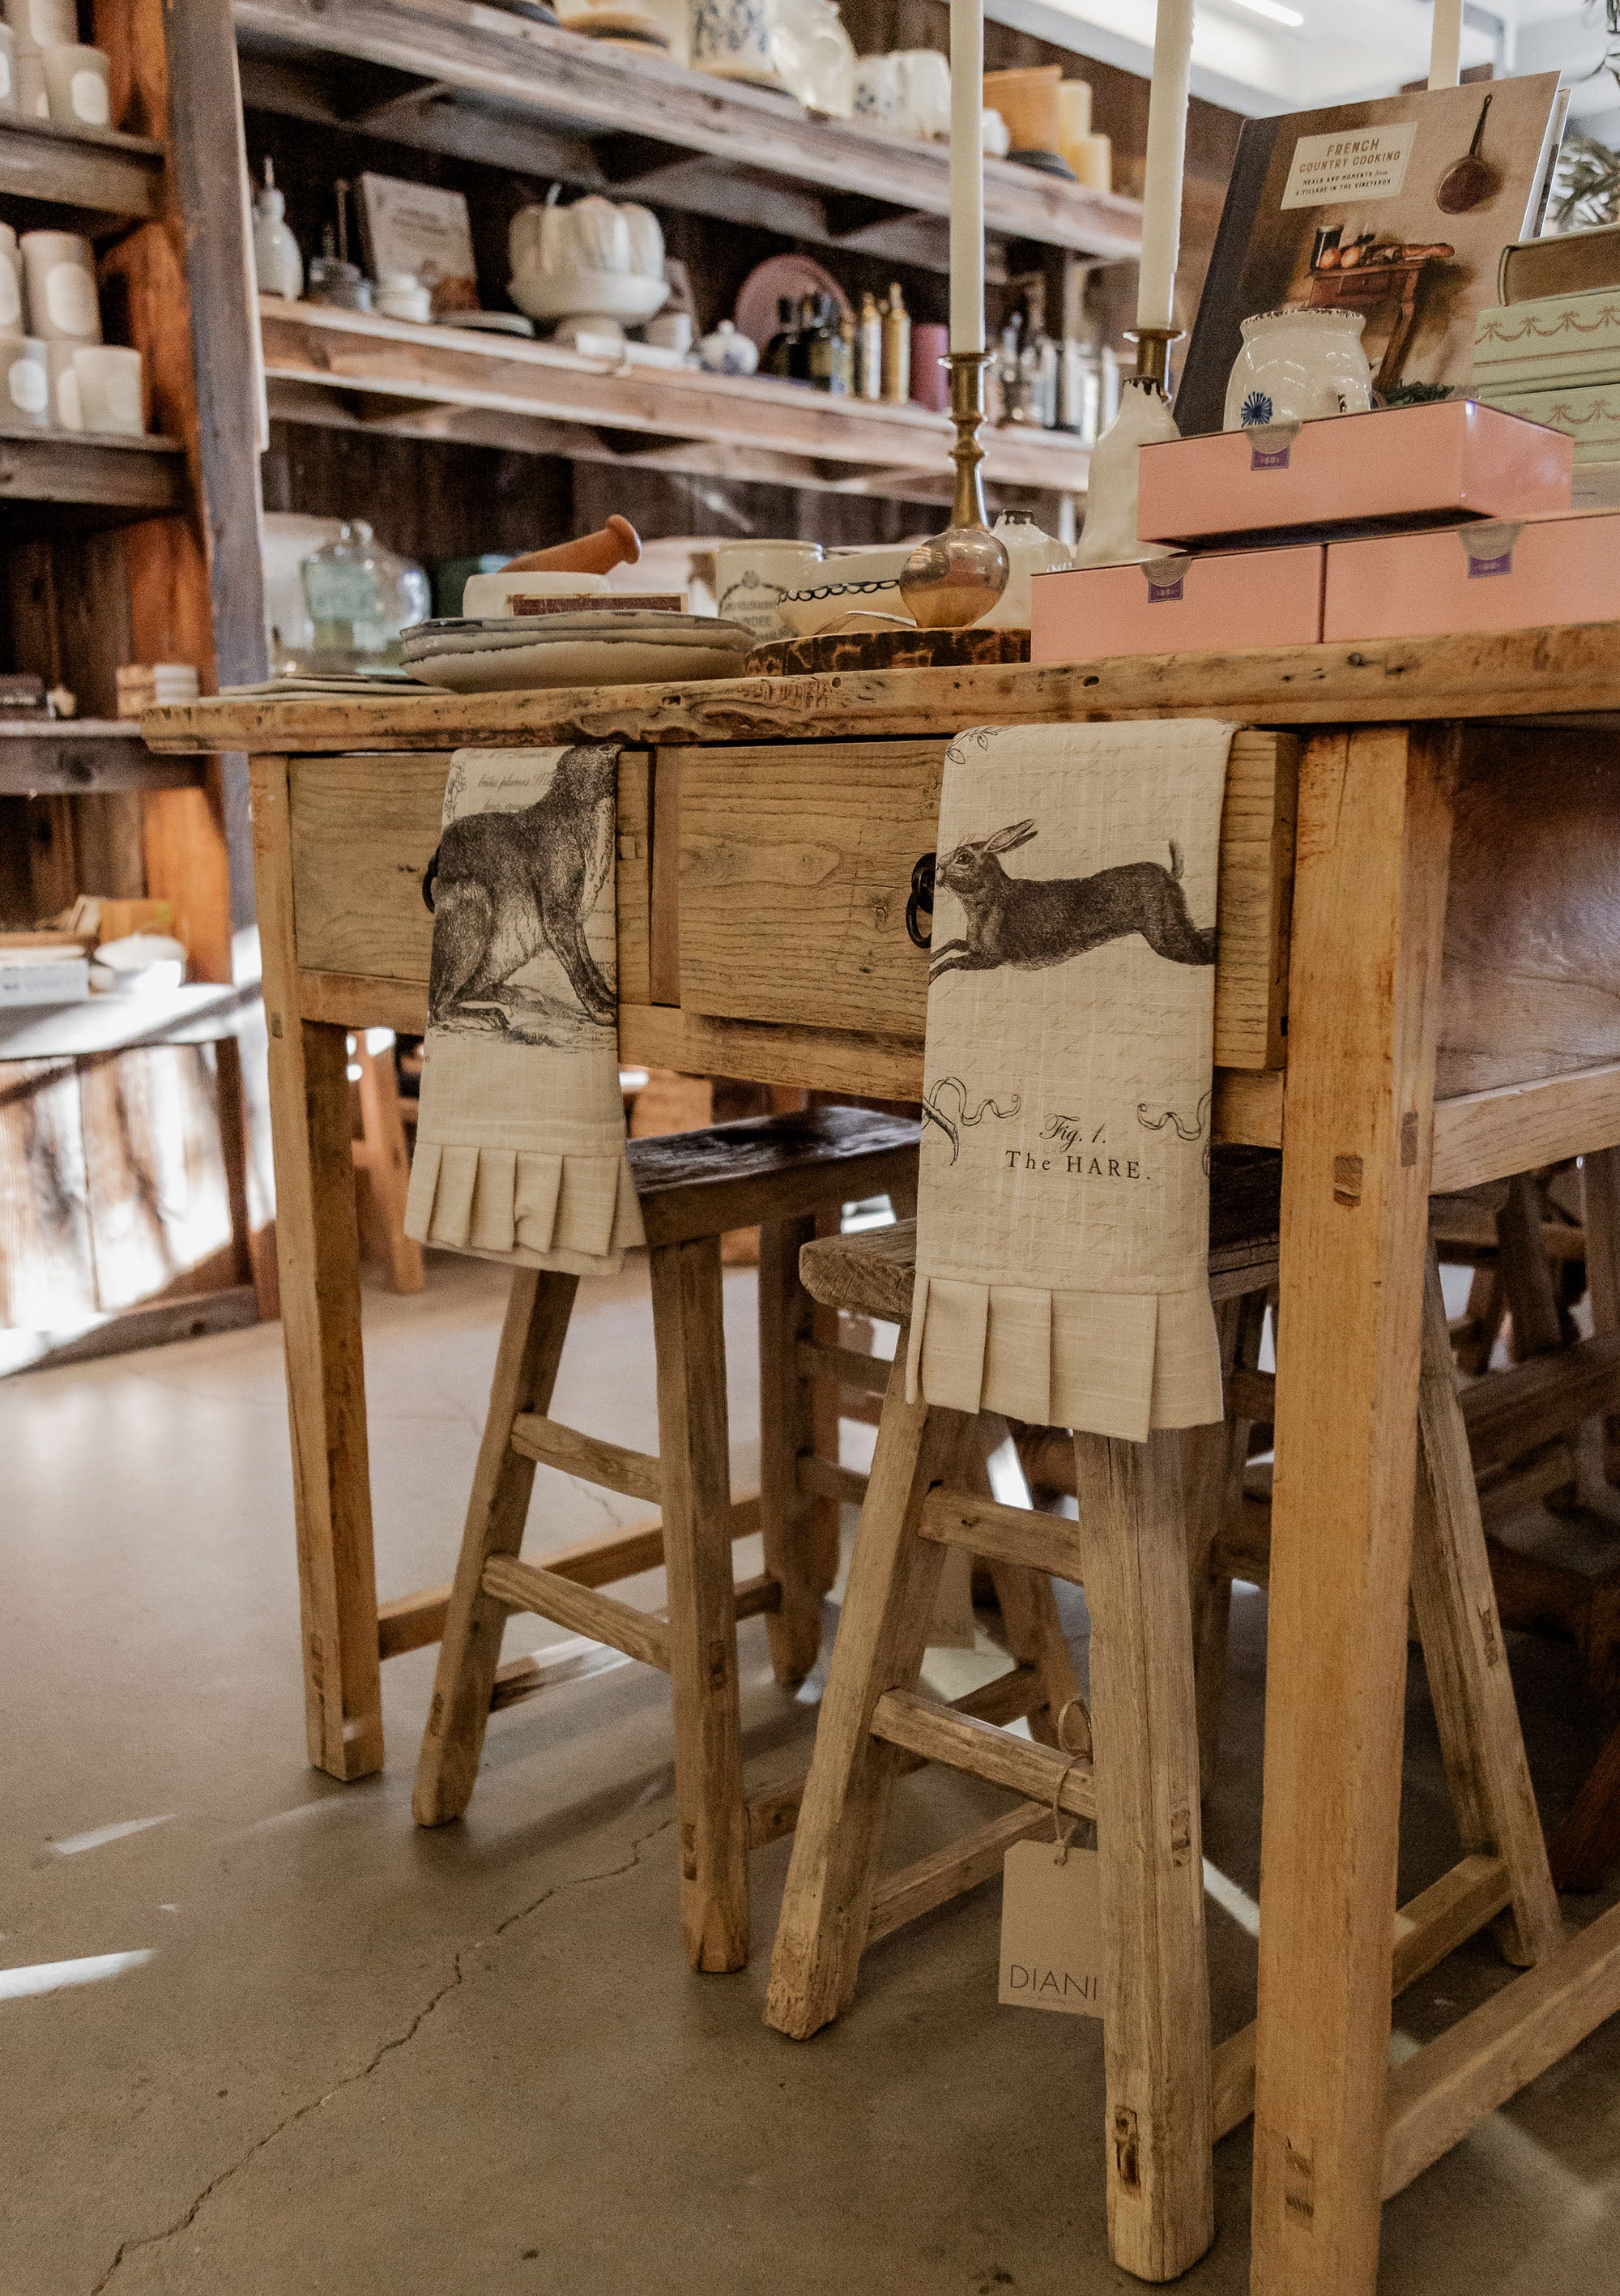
318 1254
1369 911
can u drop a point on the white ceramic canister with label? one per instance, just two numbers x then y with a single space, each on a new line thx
752 579
66 413
111 393
79 87
8 73
25 385
43 23
60 270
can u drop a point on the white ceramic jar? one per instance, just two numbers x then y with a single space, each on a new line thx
10 286
43 23
111 390
59 269
726 350
79 85
1028 552
752 579
1296 365
8 73
25 385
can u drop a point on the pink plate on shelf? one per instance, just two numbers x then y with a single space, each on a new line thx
791 276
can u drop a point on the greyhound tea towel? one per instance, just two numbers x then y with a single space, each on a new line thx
520 1136
1063 1208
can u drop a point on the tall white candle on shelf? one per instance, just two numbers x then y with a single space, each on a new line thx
1161 222
967 176
1446 45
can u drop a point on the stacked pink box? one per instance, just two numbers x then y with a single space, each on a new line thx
1356 526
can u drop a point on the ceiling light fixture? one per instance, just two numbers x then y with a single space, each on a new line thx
1272 9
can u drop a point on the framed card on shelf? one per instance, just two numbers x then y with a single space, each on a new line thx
423 230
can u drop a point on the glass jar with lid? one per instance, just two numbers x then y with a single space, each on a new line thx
361 596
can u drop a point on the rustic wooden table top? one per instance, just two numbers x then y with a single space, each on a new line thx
1559 672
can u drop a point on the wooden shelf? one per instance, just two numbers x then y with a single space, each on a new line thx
447 76
351 368
80 479
76 757
84 176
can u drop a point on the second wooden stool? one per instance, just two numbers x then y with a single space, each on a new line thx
776 1172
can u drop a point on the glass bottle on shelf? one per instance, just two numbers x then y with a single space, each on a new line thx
897 346
778 359
824 347
868 367
361 597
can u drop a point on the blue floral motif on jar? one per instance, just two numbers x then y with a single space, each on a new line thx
730 27
1257 409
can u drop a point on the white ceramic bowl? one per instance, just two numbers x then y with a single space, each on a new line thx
625 295
614 648
848 581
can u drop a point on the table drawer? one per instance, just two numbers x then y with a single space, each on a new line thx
796 864
363 830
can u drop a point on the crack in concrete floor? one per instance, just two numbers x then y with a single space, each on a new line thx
396 2041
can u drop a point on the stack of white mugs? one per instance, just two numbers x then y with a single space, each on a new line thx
55 372
46 72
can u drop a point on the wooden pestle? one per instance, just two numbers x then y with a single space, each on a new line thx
617 545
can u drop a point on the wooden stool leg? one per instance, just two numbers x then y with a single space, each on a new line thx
387 1163
1588 1841
1600 1190
526 1371
1033 1631
1155 2000
887 1604
787 1433
1215 1458
1464 1652
693 1446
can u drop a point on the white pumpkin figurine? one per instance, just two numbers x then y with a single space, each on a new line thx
1028 552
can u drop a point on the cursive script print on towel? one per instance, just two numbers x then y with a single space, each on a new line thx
510 888
935 1112
1032 922
1183 1128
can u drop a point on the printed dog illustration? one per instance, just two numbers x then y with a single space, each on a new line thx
1034 922
509 886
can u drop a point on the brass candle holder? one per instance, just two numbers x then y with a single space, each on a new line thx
1153 354
950 581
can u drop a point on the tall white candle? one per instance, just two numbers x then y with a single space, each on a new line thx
1161 222
1446 45
967 176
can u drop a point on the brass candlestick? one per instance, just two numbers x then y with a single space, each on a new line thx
1153 353
951 580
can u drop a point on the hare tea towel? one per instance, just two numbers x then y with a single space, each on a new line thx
1063 1210
520 1138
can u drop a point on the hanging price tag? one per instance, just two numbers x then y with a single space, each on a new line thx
1051 1920
1051 1929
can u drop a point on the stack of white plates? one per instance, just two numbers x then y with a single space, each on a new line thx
606 646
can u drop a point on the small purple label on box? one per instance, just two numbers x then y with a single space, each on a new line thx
1160 593
1502 565
1268 458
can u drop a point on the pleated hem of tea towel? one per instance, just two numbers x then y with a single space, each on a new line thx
520 1136
1063 1203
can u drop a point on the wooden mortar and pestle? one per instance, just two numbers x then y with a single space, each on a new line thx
617 544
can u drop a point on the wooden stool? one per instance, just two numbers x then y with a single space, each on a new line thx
777 1171
1141 1507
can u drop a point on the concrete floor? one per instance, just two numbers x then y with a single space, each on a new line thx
340 2054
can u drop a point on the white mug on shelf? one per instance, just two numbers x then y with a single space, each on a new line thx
924 93
10 286
59 269
78 87
751 580
67 408
876 90
25 396
111 390
43 23
32 101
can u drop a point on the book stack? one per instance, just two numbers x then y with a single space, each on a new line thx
1550 349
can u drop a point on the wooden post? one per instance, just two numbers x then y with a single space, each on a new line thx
694 1445
1369 912
1600 1194
1144 1724
787 1433
318 1255
538 1312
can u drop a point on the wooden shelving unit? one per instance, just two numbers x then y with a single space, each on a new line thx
84 757
101 181
69 479
352 368
449 76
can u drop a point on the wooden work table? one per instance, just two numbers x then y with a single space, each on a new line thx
766 834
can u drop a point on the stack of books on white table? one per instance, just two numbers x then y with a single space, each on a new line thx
1550 349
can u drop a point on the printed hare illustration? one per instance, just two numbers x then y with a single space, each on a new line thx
507 887
1034 922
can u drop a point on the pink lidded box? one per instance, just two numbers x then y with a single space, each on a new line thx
1179 603
1400 465
1503 574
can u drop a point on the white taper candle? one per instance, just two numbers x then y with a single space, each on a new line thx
967 176
1445 44
1161 222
